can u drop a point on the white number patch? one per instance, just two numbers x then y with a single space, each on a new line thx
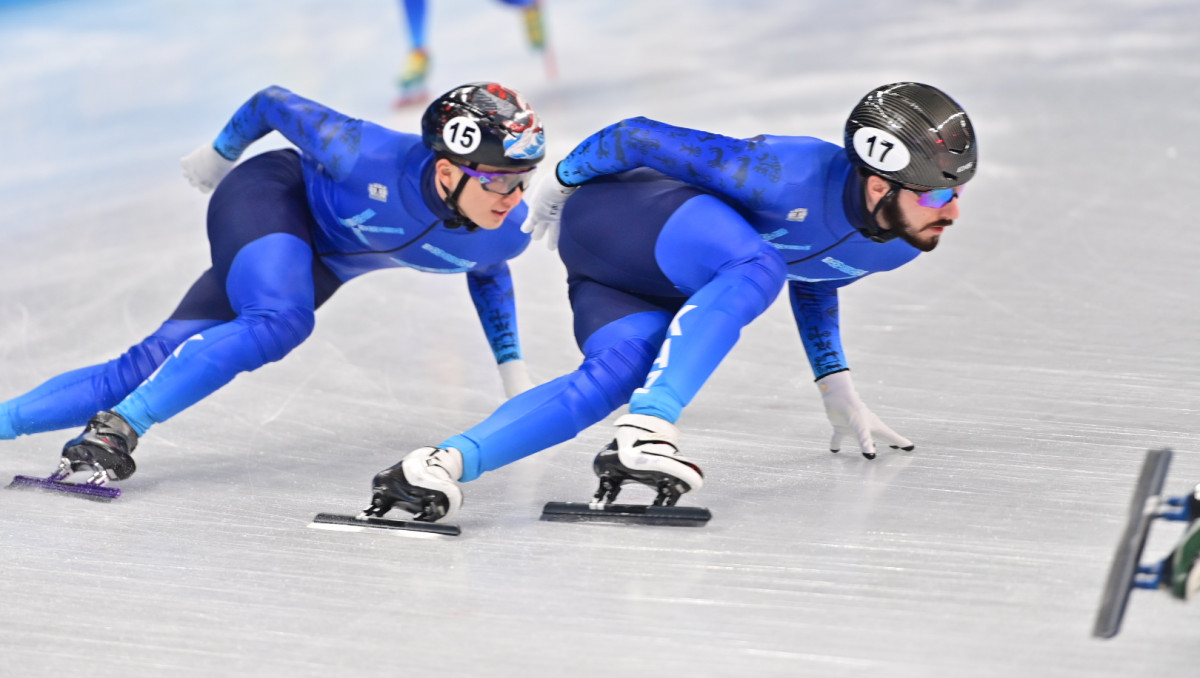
461 135
881 149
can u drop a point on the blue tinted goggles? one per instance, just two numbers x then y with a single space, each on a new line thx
502 183
936 198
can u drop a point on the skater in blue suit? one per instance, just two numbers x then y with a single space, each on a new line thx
286 229
675 239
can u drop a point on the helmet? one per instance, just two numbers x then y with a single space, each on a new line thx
913 134
484 123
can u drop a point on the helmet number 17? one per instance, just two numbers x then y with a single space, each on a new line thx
886 145
880 149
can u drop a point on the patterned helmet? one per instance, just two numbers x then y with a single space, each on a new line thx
484 123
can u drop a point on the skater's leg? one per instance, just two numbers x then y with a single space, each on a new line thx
270 286
708 250
259 227
616 359
425 482
414 17
70 399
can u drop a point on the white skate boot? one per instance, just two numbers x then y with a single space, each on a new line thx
645 451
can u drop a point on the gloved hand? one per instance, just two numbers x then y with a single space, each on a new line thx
515 377
545 209
204 168
850 416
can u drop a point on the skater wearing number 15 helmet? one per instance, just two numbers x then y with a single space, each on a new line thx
673 240
286 229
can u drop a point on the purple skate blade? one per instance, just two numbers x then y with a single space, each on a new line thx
97 492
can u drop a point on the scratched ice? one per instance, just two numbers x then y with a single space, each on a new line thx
1032 358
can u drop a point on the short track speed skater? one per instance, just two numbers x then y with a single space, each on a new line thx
1177 572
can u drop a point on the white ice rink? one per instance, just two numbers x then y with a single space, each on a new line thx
1033 358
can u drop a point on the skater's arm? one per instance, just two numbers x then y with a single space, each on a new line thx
745 170
492 291
815 308
328 136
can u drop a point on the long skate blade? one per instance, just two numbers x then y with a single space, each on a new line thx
1147 497
336 521
83 490
638 514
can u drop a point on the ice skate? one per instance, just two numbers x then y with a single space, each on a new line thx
423 484
644 451
412 82
103 450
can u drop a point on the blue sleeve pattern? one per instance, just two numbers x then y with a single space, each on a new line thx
328 136
815 307
744 170
492 291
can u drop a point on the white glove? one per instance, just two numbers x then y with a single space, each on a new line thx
545 208
515 377
850 417
204 168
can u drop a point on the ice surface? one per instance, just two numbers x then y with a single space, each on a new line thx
1032 358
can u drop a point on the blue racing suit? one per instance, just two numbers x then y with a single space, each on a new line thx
286 228
667 264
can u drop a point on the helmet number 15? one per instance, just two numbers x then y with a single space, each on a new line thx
462 135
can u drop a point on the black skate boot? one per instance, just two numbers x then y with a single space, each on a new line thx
104 448
422 484
645 452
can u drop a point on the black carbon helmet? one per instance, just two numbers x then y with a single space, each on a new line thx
913 134
484 123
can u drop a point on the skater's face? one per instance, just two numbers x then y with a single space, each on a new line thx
916 216
485 208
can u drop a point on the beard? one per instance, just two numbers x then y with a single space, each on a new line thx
904 229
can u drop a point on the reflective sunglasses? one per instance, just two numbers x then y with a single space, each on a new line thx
936 198
501 183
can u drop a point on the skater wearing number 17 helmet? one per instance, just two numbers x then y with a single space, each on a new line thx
673 240
286 229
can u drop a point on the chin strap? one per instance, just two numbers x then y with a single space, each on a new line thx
874 231
460 219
